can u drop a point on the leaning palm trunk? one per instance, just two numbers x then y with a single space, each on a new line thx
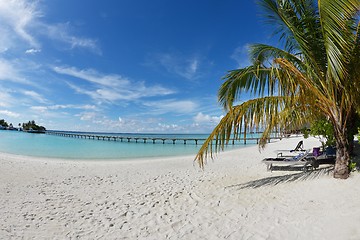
341 169
352 129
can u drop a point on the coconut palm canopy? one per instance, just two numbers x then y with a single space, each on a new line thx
315 74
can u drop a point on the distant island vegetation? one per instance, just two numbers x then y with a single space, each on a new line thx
30 126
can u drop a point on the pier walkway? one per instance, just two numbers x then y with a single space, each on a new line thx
139 139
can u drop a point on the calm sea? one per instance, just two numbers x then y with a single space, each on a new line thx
44 145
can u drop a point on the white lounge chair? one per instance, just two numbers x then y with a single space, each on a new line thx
293 152
303 159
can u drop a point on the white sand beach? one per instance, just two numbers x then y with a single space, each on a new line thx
173 199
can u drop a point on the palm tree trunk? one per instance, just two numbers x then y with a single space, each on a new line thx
352 129
341 169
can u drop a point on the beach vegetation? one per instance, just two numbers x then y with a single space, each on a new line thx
352 166
3 123
315 74
306 132
31 125
324 130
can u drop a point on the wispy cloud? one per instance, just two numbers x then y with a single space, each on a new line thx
87 116
36 96
205 122
6 98
143 124
22 72
111 87
205 118
129 124
93 76
183 66
17 17
171 105
60 106
60 111
61 32
32 51
241 56
9 72
23 21
9 113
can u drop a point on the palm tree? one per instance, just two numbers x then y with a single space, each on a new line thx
315 74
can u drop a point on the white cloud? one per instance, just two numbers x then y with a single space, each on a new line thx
93 76
203 118
98 121
9 72
241 56
6 98
128 124
193 66
186 67
87 116
32 51
111 87
171 105
9 113
66 106
73 106
61 32
35 96
22 21
17 16
22 72
39 108
5 40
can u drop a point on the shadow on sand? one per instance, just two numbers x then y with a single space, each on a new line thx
272 181
301 176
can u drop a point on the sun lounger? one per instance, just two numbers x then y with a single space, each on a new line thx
303 160
324 159
293 152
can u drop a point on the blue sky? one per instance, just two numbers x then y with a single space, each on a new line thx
122 65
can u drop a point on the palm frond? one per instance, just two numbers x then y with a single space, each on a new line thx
271 114
274 17
299 25
256 80
337 22
324 96
353 86
262 54
253 79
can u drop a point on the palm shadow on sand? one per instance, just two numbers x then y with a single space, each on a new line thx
300 176
272 181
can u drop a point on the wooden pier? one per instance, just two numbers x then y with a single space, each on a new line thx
136 139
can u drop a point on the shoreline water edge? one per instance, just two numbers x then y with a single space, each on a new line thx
105 146
171 198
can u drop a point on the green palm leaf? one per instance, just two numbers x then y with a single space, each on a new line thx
265 113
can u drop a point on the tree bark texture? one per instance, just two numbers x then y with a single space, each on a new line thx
341 169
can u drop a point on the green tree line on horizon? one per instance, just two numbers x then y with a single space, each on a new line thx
30 125
3 123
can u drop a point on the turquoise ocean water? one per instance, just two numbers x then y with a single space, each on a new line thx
44 145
